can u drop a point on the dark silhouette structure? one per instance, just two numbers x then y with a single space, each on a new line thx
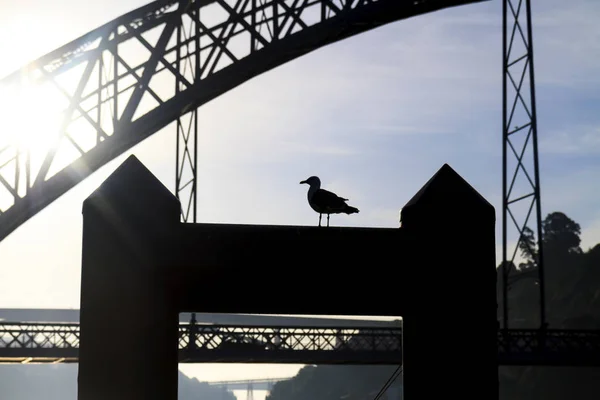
141 267
324 201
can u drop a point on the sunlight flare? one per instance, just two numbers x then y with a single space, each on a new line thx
30 117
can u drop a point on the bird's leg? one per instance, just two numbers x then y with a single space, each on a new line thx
320 219
328 220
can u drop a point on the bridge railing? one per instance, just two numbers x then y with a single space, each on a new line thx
44 342
38 335
549 347
213 337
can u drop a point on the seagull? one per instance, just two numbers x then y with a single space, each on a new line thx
325 202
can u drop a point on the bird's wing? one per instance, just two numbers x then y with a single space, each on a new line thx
326 199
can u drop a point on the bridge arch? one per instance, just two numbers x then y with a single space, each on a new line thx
192 47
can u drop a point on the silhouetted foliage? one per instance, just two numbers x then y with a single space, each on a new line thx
528 247
332 382
561 233
572 281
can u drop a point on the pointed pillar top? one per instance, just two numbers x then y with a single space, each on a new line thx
134 193
448 195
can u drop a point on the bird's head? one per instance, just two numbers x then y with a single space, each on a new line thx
313 181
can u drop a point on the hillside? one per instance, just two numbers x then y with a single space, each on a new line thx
59 382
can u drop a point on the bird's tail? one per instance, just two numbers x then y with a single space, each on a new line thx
350 210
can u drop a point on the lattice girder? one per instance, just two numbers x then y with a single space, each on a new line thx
40 342
53 342
521 202
549 347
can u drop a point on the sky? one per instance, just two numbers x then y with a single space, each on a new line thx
374 116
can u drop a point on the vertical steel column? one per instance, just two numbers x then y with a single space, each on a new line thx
538 195
197 76
504 167
187 134
518 63
185 174
193 333
178 123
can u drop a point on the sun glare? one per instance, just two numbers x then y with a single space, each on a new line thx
32 108
30 117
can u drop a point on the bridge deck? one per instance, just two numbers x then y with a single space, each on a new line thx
59 343
54 316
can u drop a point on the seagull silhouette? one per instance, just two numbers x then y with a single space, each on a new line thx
325 202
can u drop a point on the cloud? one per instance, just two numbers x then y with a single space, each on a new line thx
401 79
404 129
567 43
571 190
577 140
327 150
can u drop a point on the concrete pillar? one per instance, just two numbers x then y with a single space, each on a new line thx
128 348
449 340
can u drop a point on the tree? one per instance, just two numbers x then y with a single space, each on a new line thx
528 247
334 382
561 233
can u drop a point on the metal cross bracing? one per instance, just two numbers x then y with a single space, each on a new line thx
292 345
40 342
186 150
43 343
186 162
521 200
80 106
549 347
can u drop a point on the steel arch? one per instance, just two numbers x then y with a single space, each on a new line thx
108 92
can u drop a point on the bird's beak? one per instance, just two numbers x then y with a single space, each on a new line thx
303 182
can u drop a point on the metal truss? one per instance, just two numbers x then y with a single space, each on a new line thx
43 343
80 106
186 161
39 343
186 152
521 201
549 348
234 344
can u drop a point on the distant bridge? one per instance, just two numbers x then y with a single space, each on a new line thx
59 343
249 384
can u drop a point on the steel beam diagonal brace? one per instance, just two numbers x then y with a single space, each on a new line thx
149 71
73 105
167 64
